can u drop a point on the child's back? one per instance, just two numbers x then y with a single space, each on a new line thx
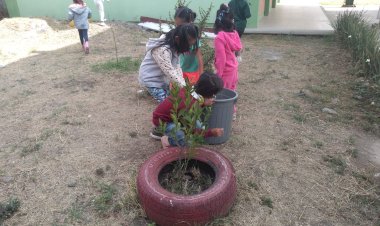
80 14
241 11
226 44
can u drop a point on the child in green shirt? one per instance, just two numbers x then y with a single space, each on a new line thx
191 61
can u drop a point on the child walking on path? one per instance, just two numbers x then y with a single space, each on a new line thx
80 13
207 87
191 61
226 43
161 62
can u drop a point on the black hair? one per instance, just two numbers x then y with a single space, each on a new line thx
224 19
185 14
208 85
80 2
183 32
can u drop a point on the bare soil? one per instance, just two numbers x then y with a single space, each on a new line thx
72 139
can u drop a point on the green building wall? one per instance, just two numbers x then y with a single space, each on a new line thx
12 7
124 10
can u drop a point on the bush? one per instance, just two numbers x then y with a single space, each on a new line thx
8 209
362 40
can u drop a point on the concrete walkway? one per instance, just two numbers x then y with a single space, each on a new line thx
297 17
370 12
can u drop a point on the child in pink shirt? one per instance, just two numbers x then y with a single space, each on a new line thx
227 42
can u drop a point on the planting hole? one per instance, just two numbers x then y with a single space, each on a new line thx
186 177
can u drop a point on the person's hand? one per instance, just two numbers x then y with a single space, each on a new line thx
208 101
217 132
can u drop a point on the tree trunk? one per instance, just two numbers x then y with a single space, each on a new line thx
349 2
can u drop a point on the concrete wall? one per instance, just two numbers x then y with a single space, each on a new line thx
124 10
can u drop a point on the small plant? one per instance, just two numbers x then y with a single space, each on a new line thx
363 177
125 64
75 212
208 52
338 164
299 118
103 202
318 144
8 209
34 147
130 200
353 152
192 120
253 185
266 201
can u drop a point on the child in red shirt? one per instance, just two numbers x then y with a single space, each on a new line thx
207 87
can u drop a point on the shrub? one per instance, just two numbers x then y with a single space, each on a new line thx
8 209
362 40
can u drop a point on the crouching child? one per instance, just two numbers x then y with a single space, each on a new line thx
180 114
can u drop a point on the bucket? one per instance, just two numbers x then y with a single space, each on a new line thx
221 115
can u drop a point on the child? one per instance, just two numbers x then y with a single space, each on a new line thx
240 10
80 13
207 86
161 63
100 5
226 43
191 61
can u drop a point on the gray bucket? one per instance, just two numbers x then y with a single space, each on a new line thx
221 115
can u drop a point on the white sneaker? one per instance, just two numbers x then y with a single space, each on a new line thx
239 59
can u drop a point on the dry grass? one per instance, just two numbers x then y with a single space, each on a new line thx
284 148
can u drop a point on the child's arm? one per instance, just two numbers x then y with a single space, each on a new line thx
214 132
70 16
163 58
220 56
200 61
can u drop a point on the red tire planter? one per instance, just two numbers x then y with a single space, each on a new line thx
166 208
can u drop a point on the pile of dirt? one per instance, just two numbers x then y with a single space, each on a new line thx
23 37
24 25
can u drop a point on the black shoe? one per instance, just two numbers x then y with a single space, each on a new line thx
156 133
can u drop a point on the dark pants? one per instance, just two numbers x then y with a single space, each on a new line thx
240 32
83 35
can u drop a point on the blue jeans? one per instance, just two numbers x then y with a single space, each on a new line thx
177 137
83 35
158 94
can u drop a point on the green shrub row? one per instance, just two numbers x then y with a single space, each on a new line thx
363 40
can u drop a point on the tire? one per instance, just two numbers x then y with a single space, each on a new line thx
167 209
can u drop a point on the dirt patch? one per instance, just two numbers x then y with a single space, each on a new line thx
370 147
62 122
23 37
